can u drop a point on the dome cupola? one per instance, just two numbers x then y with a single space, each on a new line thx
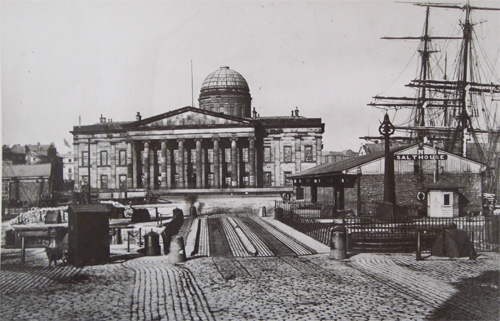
226 91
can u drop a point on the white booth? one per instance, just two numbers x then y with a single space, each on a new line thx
442 199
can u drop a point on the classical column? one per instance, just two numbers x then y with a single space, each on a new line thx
234 162
129 165
153 160
251 161
163 164
169 166
145 170
180 165
135 164
319 147
216 162
199 173
277 160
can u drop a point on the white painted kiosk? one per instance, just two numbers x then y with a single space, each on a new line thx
442 199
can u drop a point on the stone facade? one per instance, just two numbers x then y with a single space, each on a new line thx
195 148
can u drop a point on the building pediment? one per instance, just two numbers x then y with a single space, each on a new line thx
190 117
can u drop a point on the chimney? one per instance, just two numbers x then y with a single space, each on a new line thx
102 119
138 116
296 111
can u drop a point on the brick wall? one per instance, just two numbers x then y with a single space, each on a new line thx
407 187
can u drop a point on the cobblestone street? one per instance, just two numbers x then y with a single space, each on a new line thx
365 287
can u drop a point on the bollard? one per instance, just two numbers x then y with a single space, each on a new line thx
152 243
278 213
177 250
419 247
472 252
128 241
338 249
192 212
23 250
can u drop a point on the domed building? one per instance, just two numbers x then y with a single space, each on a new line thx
222 146
226 91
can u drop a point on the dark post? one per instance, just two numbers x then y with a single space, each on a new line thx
386 129
89 168
23 250
419 247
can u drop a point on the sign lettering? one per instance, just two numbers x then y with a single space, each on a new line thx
420 157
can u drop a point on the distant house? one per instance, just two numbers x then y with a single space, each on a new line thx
33 183
333 157
68 166
39 154
371 148
14 155
360 180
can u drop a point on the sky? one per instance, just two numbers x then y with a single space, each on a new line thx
62 61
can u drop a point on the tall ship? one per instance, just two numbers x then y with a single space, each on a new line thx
455 95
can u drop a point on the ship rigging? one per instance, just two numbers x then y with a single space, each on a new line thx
457 112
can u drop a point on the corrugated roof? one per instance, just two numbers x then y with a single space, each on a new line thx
343 165
37 170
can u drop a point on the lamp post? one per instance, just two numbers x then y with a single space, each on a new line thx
386 129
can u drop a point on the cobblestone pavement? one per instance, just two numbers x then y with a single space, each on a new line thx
92 293
366 287
165 292
313 287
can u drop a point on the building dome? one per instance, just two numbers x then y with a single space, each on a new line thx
226 91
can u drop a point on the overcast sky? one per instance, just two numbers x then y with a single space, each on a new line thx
62 60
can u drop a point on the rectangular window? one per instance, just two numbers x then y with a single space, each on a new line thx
267 154
123 180
245 155
176 180
85 179
228 180
246 181
287 154
70 170
85 158
104 181
227 155
193 156
288 181
308 150
5 188
267 179
446 200
176 156
122 157
104 158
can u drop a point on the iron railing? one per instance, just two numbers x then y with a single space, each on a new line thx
483 231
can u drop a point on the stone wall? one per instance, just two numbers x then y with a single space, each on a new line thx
407 187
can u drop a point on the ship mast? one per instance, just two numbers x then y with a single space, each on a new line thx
455 118
464 84
423 101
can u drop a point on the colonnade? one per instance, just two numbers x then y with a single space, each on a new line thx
217 162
